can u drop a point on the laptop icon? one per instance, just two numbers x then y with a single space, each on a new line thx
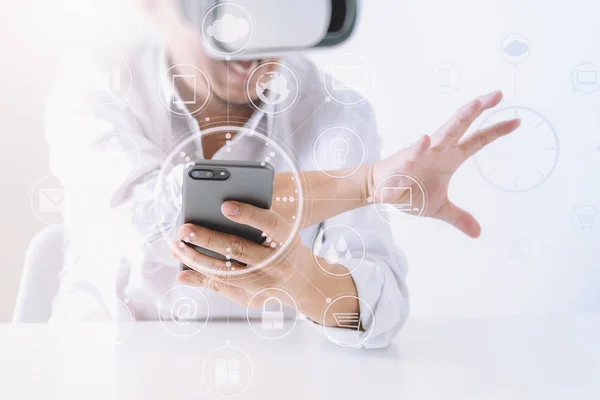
390 195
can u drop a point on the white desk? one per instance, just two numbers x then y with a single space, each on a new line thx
555 357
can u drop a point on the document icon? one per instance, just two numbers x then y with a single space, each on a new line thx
51 200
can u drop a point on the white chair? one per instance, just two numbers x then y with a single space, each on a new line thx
40 280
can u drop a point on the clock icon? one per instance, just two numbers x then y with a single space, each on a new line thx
524 159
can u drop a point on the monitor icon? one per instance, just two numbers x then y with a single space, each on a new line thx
350 77
390 196
587 77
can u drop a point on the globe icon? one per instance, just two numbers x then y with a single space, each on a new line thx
272 88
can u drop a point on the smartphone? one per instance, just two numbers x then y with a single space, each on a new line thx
209 183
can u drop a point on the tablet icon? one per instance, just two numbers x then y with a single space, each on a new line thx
444 78
181 80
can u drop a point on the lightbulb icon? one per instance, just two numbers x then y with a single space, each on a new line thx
339 148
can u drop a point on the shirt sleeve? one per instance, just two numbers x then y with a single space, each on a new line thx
120 202
379 276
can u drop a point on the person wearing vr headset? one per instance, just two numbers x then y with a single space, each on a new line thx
110 215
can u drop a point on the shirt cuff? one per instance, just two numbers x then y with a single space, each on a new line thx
383 308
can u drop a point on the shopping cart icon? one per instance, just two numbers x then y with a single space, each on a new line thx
586 221
347 320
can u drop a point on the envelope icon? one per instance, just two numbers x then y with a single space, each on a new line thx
51 200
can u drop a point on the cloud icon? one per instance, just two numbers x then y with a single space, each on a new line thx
516 48
229 28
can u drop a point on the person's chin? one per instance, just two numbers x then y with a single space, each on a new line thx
232 99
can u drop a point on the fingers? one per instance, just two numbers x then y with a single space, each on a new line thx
460 122
419 147
460 219
482 138
212 268
267 221
233 246
193 278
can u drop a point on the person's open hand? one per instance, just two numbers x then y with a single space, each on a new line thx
434 160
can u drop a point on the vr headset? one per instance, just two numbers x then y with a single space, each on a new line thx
249 29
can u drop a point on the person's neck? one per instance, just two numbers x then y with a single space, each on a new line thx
229 114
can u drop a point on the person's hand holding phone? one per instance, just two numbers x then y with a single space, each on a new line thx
294 269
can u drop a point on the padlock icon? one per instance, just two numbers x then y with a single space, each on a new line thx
272 320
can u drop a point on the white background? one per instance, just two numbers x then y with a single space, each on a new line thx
450 274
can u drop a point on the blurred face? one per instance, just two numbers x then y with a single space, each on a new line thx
185 46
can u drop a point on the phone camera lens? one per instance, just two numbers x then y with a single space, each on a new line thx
201 174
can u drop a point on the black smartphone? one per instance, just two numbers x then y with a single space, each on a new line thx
209 183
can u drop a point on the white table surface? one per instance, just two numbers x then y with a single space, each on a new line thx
550 357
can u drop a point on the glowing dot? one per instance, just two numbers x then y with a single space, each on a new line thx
369 199
192 163
192 234
292 199
281 244
228 264
228 135
228 249
284 199
266 143
181 245
207 119
328 300
187 239
295 191
228 58
263 164
293 217
264 234
273 244
277 198
182 154
228 257
327 99
267 158
272 154
293 178
228 143
268 240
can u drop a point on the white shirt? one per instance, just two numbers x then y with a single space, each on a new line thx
114 251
